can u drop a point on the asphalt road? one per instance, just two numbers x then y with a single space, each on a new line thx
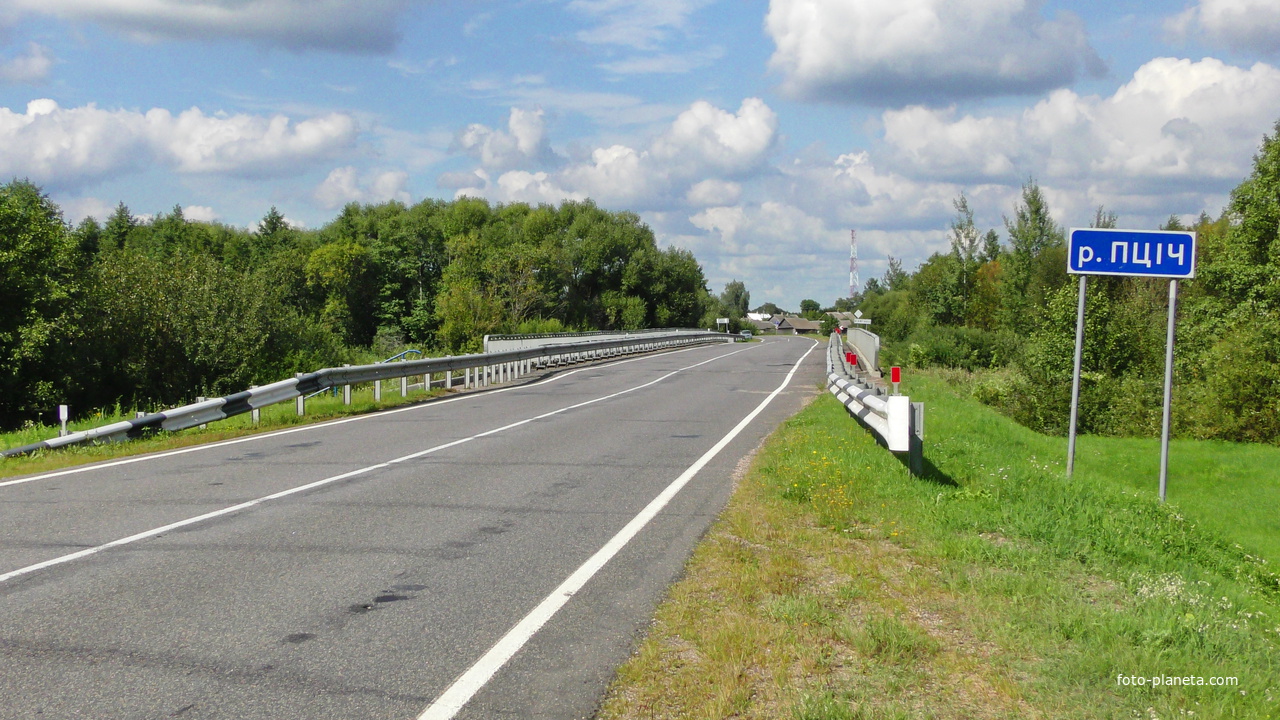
362 568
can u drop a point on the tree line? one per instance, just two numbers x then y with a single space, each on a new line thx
146 312
1009 306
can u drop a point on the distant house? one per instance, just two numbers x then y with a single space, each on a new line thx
797 325
763 325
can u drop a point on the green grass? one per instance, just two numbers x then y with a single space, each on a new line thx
1230 488
275 417
836 585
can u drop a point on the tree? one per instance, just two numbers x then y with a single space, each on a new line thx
810 310
990 246
341 272
967 257
735 299
1036 263
38 285
119 226
895 278
1102 218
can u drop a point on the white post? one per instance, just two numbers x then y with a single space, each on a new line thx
346 390
203 426
301 403
377 391
62 420
404 386
255 413
466 378
1075 382
448 379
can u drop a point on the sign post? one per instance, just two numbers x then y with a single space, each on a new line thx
1130 253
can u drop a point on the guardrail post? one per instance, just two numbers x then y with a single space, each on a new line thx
346 389
255 413
377 391
448 379
301 405
203 426
404 386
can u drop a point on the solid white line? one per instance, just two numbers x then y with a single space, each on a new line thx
329 480
469 683
330 423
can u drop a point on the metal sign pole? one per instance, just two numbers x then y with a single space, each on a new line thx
1075 381
1168 389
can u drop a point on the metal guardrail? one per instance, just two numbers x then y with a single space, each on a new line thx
497 365
501 343
895 420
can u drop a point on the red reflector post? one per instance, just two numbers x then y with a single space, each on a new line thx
895 374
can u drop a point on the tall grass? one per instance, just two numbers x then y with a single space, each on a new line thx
993 587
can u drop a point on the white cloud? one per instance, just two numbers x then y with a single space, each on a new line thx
714 192
1175 122
784 253
31 67
618 175
665 63
923 50
1251 25
200 213
703 143
337 25
640 24
346 185
247 144
705 136
68 147
614 109
76 209
523 142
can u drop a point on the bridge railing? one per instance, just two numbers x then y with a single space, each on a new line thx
897 422
486 366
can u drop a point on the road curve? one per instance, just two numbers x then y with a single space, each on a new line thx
383 566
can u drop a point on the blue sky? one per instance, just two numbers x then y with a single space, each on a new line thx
755 133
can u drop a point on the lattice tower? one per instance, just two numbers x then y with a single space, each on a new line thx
855 282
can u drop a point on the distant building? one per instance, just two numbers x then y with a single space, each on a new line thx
797 325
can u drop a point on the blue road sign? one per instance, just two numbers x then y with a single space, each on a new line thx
1142 253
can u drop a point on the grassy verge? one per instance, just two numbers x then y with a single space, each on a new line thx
836 586
275 417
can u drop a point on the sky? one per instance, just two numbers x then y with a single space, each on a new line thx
755 133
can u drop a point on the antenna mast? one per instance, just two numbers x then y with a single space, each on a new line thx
855 283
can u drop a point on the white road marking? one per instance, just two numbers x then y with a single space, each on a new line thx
330 423
329 480
478 675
